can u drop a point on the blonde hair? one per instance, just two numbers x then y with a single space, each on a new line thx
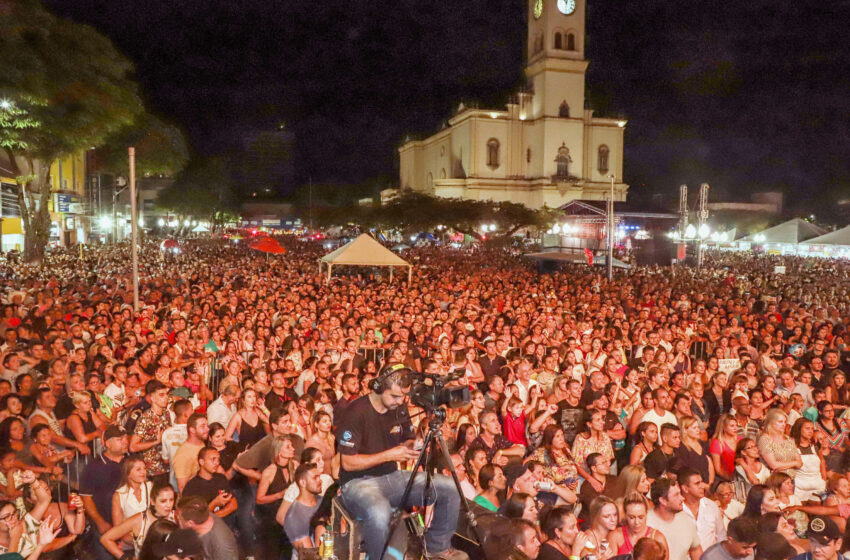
629 479
770 419
684 423
80 396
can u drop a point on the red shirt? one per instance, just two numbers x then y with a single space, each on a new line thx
514 428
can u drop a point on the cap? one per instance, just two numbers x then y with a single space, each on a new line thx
114 431
773 546
182 542
822 529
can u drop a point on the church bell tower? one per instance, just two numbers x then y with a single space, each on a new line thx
555 53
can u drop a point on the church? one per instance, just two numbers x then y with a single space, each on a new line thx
545 148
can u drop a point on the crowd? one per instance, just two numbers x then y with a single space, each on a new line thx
669 414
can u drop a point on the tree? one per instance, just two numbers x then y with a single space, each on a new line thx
416 211
160 148
202 190
64 88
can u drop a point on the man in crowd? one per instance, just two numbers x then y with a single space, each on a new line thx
217 539
185 464
677 526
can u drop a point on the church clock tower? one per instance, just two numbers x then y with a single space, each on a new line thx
556 63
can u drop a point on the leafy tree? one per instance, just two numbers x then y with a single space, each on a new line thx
202 190
160 148
414 211
63 88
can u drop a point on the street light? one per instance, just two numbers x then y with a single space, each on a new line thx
556 228
105 222
690 232
160 222
704 231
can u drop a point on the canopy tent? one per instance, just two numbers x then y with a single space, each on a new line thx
837 237
791 232
364 251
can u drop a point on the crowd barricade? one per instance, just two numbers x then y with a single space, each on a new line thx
376 355
216 375
73 473
699 350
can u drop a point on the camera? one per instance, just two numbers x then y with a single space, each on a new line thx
435 394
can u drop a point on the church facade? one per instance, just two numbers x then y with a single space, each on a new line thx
544 148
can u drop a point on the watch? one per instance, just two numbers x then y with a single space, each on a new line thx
567 7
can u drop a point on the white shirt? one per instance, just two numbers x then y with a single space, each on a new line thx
304 380
220 412
667 418
117 394
681 533
172 438
709 520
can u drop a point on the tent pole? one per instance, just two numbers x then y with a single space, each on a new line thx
391 274
330 268
409 275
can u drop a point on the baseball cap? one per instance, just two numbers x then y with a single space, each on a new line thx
822 529
114 431
182 542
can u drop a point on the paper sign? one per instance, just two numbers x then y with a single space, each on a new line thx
729 365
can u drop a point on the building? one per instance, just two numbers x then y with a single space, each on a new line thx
69 222
10 211
545 148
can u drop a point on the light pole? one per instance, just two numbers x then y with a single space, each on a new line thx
611 230
135 229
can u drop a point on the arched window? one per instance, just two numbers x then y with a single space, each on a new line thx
564 110
442 173
571 42
492 153
430 180
538 43
563 160
602 159
528 155
558 40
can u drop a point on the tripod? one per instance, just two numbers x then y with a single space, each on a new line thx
433 446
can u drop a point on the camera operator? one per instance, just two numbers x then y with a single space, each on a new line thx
374 434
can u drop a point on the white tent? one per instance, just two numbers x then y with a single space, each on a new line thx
837 237
791 232
364 251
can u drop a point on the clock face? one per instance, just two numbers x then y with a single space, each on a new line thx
567 7
538 9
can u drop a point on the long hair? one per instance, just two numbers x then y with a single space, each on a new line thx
156 534
771 417
754 499
513 507
597 505
629 478
127 466
722 422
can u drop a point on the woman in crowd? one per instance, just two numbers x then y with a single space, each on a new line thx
249 420
593 440
809 480
693 452
492 482
834 432
84 424
603 519
520 506
647 440
728 503
560 527
136 526
475 459
274 481
134 491
227 449
555 456
634 528
778 451
775 522
722 447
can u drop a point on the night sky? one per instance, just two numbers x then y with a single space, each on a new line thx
747 96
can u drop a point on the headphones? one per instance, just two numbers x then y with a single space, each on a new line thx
379 384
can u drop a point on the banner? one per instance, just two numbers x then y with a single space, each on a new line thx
589 254
729 365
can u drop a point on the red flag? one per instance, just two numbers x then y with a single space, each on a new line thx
589 254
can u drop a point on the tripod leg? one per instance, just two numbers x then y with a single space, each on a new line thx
473 525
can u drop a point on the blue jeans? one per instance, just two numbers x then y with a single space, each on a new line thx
371 500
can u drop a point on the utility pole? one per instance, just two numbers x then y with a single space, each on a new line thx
683 224
135 229
611 230
702 216
310 207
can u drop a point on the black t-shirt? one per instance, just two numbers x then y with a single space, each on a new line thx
274 400
363 431
491 367
570 418
549 552
207 489
656 463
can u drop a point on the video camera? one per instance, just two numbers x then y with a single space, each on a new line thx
435 394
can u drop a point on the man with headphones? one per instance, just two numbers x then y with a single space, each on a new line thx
373 435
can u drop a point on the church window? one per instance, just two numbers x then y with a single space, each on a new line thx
442 173
558 40
602 159
528 155
492 153
571 42
430 180
564 110
563 160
